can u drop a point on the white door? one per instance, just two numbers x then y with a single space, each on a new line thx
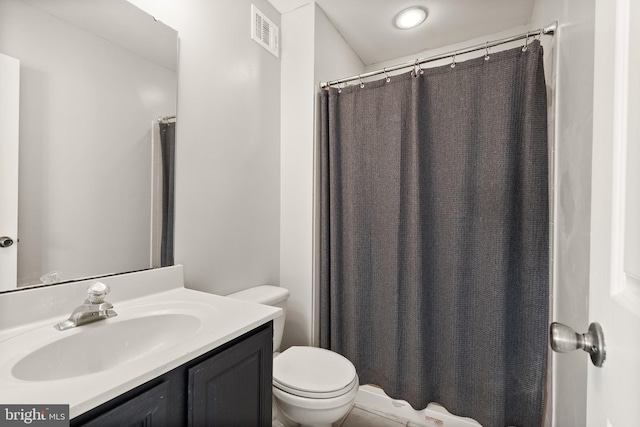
613 393
9 114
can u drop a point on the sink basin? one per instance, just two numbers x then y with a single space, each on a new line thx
104 344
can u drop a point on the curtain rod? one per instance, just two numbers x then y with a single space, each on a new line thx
548 30
166 119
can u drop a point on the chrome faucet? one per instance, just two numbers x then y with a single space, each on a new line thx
94 308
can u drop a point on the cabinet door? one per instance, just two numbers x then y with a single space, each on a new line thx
148 409
233 388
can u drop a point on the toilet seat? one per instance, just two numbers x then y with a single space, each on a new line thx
316 395
313 373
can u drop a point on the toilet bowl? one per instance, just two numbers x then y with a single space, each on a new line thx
311 386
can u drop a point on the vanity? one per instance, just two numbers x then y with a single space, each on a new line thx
171 357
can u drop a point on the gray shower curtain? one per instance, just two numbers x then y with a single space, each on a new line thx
168 149
434 235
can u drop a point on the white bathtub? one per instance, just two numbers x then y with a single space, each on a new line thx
433 415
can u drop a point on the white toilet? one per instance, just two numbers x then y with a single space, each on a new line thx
311 386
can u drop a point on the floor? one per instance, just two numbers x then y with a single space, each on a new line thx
366 417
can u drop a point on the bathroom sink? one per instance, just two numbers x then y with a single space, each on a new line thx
105 344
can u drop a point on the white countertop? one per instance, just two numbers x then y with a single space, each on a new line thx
223 319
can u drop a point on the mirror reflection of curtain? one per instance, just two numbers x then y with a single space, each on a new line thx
167 189
434 271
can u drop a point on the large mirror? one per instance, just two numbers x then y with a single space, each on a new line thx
98 87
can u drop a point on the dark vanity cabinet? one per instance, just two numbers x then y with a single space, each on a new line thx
228 386
148 408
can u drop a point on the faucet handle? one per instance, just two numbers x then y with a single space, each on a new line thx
96 291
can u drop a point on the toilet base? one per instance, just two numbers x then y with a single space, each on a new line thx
294 410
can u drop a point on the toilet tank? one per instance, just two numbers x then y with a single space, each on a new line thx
274 296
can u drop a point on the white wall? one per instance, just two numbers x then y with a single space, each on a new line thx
312 50
334 58
572 52
228 145
86 112
296 229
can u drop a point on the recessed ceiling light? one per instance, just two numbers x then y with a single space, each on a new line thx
411 17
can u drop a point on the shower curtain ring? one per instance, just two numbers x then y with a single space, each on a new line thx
540 32
387 79
337 86
419 68
453 62
361 82
486 51
526 43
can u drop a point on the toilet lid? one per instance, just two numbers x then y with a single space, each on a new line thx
312 370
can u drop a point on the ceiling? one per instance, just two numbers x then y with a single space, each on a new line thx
367 25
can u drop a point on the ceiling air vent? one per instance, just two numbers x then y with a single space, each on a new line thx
264 32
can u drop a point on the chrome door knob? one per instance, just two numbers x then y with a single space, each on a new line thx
5 242
565 339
